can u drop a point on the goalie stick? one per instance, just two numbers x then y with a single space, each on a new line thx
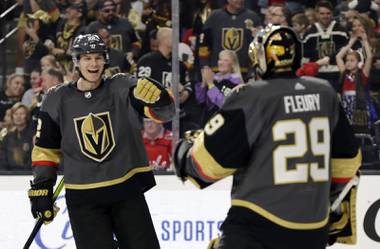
353 182
39 221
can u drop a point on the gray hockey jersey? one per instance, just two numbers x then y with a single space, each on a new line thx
285 140
97 133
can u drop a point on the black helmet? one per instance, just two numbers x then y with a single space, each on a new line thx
87 44
275 49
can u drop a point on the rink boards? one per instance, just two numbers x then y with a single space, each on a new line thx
184 217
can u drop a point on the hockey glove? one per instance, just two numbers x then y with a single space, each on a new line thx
148 91
181 150
41 200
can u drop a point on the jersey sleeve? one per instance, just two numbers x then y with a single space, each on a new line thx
46 153
221 149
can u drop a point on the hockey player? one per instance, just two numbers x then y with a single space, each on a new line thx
95 124
282 133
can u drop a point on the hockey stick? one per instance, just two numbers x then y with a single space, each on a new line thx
40 221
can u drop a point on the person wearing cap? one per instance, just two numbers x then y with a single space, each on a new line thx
70 26
123 35
94 124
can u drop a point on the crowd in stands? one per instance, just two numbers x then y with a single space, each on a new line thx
340 43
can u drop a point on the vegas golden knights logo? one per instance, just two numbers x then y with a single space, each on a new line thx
116 42
325 48
95 135
232 38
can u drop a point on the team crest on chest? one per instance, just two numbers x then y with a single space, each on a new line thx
232 38
95 135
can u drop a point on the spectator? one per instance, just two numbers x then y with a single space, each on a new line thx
203 9
38 29
155 14
71 25
325 38
14 89
310 14
49 61
360 24
118 61
158 144
228 28
6 125
35 87
158 66
51 77
213 89
123 36
354 84
278 14
16 147
300 24
31 9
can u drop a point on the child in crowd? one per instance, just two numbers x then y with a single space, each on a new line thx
213 89
158 144
353 88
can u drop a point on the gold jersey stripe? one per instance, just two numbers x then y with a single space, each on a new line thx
279 221
110 182
208 167
45 154
346 168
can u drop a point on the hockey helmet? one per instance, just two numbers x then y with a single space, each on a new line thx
87 44
274 49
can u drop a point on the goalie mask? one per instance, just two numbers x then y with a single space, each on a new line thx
275 49
87 44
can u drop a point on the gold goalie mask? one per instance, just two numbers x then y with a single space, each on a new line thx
275 49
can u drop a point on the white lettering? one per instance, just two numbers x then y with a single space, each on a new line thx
302 103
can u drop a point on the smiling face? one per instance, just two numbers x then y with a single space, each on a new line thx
35 79
15 87
92 66
324 16
225 63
